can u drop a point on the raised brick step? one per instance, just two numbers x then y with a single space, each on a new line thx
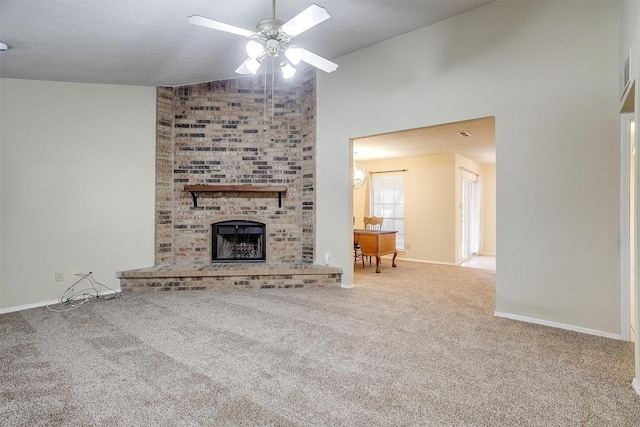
229 276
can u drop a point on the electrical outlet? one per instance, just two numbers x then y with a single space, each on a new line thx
59 277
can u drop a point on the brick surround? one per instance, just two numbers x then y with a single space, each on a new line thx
246 131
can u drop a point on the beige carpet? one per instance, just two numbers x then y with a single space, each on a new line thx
412 346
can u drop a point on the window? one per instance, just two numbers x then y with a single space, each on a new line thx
387 201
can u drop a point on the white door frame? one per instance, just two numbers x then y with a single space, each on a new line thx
625 229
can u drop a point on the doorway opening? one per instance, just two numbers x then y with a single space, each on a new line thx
432 159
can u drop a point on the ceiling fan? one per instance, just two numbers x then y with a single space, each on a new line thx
273 37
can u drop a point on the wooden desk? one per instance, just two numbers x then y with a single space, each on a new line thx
377 243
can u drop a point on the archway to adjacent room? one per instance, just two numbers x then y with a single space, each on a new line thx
434 161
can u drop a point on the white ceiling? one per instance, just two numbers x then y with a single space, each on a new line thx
150 42
478 146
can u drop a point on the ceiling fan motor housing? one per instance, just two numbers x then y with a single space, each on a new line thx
268 30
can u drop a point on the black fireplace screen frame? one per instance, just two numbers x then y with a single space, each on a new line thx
247 237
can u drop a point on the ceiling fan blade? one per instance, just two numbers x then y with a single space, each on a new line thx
217 25
318 61
310 17
243 69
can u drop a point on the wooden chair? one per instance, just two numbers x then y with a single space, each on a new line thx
373 223
357 254
357 250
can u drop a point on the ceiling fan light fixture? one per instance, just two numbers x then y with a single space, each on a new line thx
294 54
254 49
287 70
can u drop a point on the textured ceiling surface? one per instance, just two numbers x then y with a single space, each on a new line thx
150 42
478 145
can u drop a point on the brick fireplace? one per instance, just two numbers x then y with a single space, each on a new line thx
235 150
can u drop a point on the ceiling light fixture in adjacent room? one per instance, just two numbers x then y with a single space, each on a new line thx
359 175
464 134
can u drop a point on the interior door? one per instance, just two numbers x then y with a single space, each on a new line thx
470 204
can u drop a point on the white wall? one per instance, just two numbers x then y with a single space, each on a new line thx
629 17
488 237
548 72
429 205
77 185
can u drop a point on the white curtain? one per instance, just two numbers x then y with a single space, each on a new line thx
367 195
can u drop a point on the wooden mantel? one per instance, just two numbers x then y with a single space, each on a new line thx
215 188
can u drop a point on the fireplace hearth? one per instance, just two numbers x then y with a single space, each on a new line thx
238 241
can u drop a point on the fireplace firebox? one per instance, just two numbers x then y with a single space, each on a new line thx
238 241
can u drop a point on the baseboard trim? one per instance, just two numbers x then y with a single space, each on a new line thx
109 293
27 306
558 325
636 385
424 261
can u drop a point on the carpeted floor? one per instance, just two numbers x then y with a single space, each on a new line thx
413 346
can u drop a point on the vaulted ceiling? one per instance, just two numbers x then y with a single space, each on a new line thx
150 42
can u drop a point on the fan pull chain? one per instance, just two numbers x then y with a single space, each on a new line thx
264 115
273 88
